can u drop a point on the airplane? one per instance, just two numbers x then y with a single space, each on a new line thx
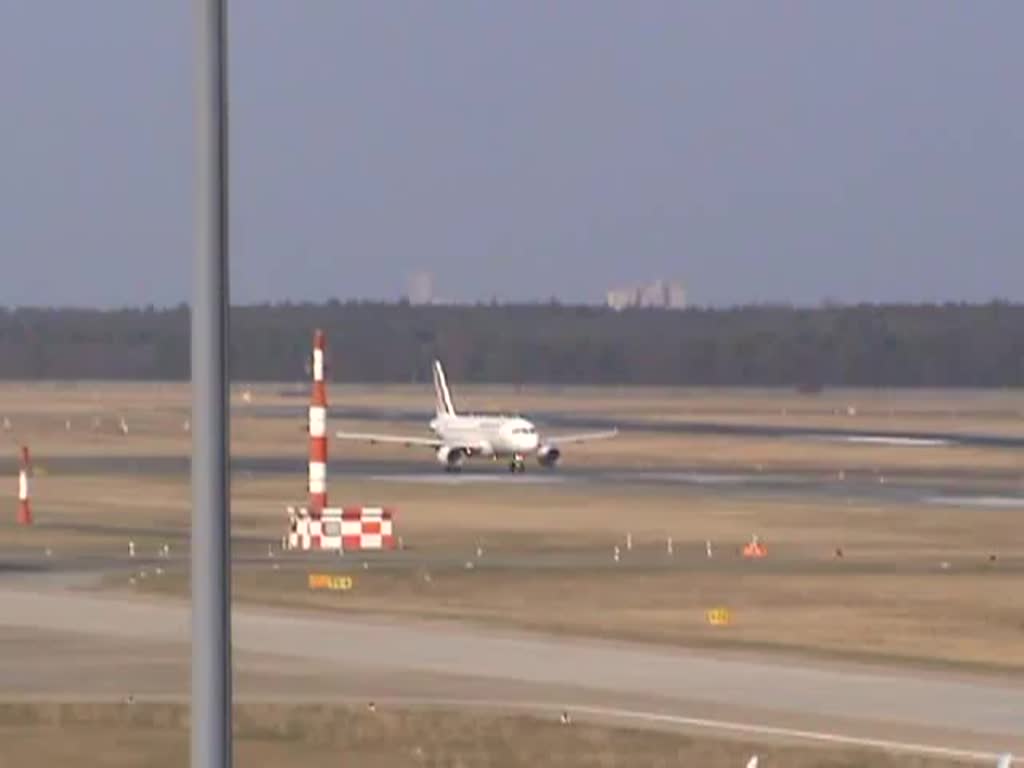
458 437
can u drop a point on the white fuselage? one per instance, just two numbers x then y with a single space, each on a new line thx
491 436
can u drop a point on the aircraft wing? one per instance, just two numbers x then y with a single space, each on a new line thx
408 442
581 438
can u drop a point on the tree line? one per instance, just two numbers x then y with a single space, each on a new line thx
948 345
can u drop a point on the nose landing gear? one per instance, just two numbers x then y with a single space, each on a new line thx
518 464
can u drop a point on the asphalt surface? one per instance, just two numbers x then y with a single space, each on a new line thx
965 489
556 420
656 682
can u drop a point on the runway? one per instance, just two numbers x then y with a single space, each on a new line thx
556 420
964 489
353 656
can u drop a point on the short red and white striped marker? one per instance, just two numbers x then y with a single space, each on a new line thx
24 503
318 430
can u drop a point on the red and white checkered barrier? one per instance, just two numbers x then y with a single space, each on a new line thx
348 528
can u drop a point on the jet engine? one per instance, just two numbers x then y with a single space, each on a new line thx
548 455
451 458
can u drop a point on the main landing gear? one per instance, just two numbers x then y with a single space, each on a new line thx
518 464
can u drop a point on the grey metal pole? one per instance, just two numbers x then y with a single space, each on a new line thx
211 528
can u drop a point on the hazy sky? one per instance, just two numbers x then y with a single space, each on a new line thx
760 151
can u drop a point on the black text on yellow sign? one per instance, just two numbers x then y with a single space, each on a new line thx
719 617
331 581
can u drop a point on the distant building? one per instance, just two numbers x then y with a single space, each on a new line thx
661 294
421 288
620 298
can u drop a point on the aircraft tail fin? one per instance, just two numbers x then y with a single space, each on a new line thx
445 405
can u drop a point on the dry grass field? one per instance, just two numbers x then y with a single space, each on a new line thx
915 581
84 419
987 411
92 735
547 562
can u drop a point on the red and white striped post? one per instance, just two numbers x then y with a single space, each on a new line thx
318 431
24 504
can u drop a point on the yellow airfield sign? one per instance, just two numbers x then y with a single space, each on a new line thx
331 581
719 617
